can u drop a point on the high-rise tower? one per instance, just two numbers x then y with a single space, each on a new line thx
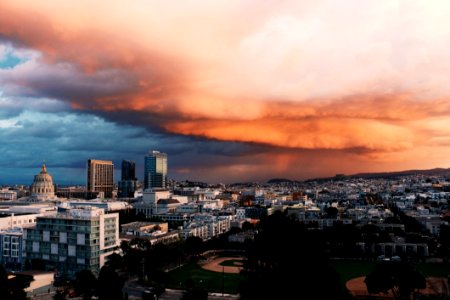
100 176
155 170
128 170
128 182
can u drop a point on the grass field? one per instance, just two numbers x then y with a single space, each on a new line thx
433 269
351 269
232 263
211 281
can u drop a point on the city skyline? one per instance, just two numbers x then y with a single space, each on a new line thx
230 91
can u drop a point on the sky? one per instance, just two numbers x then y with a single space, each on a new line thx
232 90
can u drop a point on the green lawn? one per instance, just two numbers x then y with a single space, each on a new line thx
211 281
348 269
351 269
433 269
232 263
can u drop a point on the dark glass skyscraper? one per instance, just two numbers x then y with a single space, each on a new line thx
155 170
128 170
128 183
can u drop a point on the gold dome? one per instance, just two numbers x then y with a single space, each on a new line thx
42 187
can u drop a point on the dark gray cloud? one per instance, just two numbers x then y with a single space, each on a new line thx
64 81
66 140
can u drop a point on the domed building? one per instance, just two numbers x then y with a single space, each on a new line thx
42 188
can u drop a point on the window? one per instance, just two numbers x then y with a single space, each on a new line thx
63 237
14 253
54 249
35 246
80 239
72 250
46 236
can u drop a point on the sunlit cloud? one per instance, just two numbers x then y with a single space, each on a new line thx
367 80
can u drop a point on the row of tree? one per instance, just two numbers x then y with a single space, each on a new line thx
108 285
286 260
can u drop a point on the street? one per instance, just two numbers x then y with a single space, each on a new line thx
134 291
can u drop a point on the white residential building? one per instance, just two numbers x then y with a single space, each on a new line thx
6 194
75 240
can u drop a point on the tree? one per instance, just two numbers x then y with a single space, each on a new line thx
247 226
134 255
398 277
125 247
115 261
85 284
444 239
279 268
158 256
109 284
332 212
11 289
193 245
392 220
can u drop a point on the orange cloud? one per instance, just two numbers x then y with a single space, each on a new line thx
314 133
295 76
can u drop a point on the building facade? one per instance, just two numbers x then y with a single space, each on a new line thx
6 194
128 170
207 228
128 182
11 244
100 176
155 170
10 220
74 240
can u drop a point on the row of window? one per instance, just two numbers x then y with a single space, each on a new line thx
12 246
61 221
12 253
76 228
43 190
20 221
13 239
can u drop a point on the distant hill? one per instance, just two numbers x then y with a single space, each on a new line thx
388 175
339 177
279 180
430 172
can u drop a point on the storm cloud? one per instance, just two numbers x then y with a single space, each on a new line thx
300 89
